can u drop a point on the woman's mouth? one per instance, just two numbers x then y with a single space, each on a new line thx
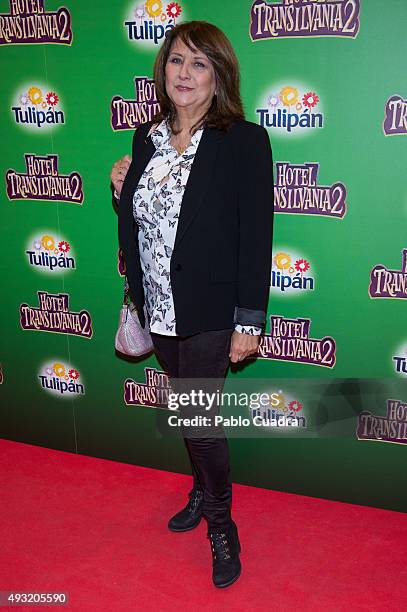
183 88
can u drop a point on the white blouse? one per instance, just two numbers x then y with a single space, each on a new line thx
156 207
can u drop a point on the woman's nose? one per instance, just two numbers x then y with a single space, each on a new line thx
184 71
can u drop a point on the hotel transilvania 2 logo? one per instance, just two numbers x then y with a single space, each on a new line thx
148 22
289 340
42 181
297 192
129 114
304 19
53 315
391 427
153 392
28 23
395 116
291 109
38 108
386 283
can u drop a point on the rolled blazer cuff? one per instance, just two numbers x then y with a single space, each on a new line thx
245 316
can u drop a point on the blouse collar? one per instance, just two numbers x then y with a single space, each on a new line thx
162 134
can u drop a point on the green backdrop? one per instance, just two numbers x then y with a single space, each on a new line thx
327 79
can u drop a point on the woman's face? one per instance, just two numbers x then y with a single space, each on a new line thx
189 78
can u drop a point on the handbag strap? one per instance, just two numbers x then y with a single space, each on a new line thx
127 301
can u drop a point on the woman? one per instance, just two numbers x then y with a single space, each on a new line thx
195 228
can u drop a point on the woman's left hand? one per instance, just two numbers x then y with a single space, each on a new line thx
242 345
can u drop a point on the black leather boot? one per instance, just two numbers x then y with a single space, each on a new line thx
189 517
225 547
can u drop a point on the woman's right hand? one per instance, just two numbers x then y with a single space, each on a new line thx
119 172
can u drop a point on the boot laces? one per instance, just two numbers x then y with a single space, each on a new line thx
220 546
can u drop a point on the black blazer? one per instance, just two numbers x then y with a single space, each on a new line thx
221 262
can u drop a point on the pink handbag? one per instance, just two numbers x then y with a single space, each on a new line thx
131 339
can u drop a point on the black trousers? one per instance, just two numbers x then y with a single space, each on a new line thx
202 356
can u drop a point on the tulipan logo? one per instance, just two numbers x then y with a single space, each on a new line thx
129 114
291 273
304 18
148 22
60 379
400 360
283 412
38 108
291 109
28 22
47 253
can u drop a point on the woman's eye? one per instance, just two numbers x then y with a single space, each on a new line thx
177 60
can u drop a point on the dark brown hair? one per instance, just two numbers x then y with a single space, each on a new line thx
226 105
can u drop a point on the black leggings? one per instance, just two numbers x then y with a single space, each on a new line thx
202 356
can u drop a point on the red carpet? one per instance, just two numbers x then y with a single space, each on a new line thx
97 530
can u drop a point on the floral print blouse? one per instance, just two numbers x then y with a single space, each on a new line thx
156 208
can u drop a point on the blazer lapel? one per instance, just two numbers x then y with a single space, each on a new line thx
128 229
143 156
199 180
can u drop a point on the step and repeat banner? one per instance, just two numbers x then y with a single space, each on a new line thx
327 81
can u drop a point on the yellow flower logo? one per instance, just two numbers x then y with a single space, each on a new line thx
48 243
154 7
59 369
280 402
282 261
35 95
289 96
